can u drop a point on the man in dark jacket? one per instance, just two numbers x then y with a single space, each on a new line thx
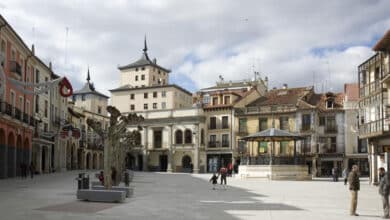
384 190
354 187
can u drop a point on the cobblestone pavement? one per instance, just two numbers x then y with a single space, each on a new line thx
185 196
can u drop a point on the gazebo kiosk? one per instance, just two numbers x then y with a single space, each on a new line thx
271 166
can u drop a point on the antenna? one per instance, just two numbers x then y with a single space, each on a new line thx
66 46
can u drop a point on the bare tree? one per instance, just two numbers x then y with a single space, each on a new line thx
117 141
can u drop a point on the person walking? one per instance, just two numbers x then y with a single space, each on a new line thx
32 170
354 187
335 174
345 175
230 169
223 172
214 180
384 190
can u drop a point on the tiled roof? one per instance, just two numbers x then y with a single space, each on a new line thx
288 96
351 92
384 43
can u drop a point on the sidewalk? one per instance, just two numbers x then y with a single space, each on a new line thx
318 199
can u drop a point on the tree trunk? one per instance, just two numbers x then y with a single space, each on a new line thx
107 164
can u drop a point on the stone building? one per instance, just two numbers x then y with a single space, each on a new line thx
319 118
374 105
144 87
218 105
89 103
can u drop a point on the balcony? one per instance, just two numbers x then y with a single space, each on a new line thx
15 67
330 130
305 128
217 127
225 143
214 144
26 118
371 128
15 113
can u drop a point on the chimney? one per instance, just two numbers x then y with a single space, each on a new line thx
285 86
50 65
154 60
33 49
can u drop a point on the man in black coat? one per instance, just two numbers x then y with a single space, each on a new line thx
384 190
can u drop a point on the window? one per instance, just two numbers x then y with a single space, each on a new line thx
154 105
213 141
331 124
136 78
159 71
136 70
82 97
263 147
242 125
283 123
163 94
179 137
143 68
21 103
132 96
99 110
163 105
46 80
73 98
284 148
143 77
45 127
157 139
225 140
333 145
206 99
154 78
188 136
202 136
154 94
263 124
225 122
227 100
213 123
145 95
377 73
322 121
362 146
36 104
306 122
27 107
215 100
46 108
329 104
146 106
36 76
131 107
12 99
163 82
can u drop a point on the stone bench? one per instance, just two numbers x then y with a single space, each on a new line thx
128 191
101 195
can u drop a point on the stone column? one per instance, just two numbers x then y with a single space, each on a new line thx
145 150
170 142
196 150
374 164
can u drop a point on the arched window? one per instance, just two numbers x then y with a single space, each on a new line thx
202 136
188 137
179 137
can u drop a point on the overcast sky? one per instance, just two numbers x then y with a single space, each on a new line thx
298 42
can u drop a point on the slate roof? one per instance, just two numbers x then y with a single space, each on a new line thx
143 61
89 88
272 134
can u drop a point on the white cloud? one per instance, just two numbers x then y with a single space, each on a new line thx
200 40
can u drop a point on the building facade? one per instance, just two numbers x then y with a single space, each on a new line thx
16 106
373 105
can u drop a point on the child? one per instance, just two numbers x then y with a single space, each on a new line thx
214 180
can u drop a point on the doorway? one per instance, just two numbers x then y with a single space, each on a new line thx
43 164
140 162
163 163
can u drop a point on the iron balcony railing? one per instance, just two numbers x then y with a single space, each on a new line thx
276 160
16 113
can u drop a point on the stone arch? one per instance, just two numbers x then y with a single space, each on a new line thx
11 155
3 154
94 161
188 136
26 151
101 161
19 155
88 160
178 137
186 163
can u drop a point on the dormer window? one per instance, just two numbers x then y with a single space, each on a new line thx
143 68
136 69
329 104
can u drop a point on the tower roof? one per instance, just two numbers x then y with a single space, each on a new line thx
143 61
89 88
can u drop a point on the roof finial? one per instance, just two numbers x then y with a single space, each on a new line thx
145 46
88 77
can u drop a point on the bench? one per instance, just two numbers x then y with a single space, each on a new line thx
128 191
101 195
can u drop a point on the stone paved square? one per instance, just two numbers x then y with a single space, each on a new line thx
187 196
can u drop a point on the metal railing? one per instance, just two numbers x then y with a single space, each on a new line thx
276 160
15 113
